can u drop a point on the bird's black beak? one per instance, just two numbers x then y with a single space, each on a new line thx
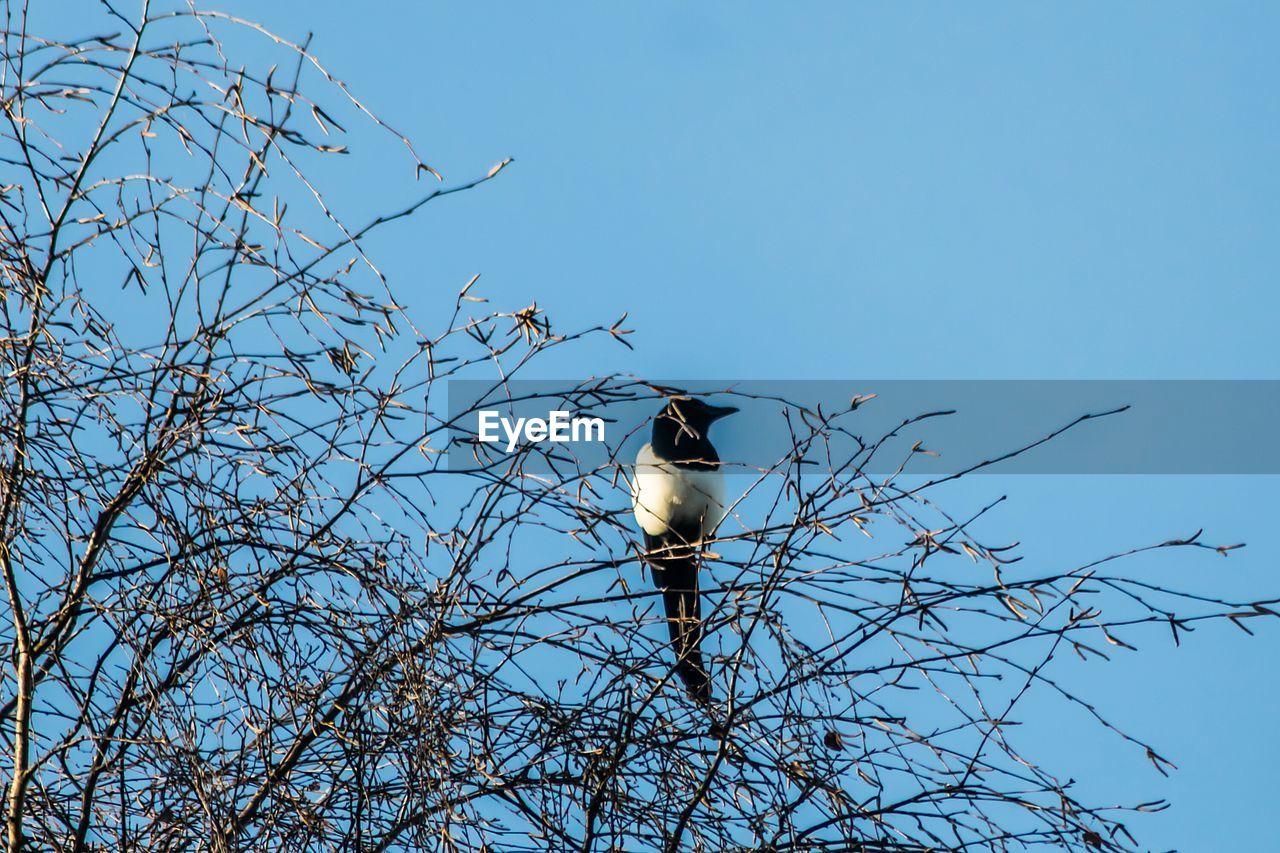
718 412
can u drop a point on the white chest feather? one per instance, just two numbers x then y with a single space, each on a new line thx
665 495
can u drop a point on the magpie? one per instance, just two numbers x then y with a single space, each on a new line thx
677 494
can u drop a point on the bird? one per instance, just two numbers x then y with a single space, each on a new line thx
677 494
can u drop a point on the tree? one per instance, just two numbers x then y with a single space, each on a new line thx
251 604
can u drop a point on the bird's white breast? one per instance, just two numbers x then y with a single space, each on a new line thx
665 495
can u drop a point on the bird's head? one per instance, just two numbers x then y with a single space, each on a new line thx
689 417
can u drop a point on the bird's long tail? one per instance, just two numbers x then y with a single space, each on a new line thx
677 577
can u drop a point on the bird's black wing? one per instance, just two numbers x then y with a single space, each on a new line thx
675 570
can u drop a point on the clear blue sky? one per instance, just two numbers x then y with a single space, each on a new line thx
893 190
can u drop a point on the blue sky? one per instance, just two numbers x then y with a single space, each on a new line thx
906 190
